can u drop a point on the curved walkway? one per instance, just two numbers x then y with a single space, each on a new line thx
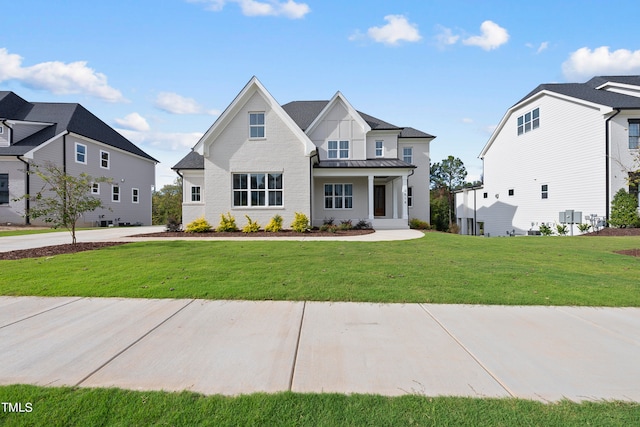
128 234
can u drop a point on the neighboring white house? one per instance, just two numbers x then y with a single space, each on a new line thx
68 135
562 147
321 158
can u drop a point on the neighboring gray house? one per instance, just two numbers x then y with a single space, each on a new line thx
321 158
68 135
563 147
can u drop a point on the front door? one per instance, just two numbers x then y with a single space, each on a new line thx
378 200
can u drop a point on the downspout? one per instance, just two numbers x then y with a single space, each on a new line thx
607 171
27 204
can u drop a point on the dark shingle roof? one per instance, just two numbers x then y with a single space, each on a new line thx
588 92
193 160
63 117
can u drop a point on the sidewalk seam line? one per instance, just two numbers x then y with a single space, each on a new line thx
473 356
295 354
42 312
132 344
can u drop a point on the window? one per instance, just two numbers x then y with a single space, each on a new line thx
634 182
135 195
81 153
529 121
379 149
4 188
410 197
338 150
1 130
195 193
115 193
511 192
485 195
338 196
95 188
407 154
257 189
256 125
634 133
104 159
544 190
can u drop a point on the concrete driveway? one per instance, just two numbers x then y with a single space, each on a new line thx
236 347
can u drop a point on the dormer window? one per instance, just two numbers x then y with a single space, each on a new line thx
338 150
256 125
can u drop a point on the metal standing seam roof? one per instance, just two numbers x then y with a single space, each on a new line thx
369 163
69 117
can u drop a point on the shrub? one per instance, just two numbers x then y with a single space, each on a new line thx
454 229
251 227
328 221
275 224
584 227
545 230
227 223
199 225
362 225
173 224
345 225
300 223
624 210
418 224
562 229
331 228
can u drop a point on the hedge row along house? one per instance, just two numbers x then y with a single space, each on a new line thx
321 158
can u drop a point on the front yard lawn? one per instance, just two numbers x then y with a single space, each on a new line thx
438 268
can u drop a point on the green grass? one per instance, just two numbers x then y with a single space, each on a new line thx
438 268
114 407
22 232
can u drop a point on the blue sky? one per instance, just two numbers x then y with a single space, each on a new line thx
161 71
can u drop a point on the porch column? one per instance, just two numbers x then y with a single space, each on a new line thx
394 197
370 194
405 204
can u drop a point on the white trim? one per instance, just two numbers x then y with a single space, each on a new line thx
75 153
108 159
113 193
95 186
381 141
352 112
263 125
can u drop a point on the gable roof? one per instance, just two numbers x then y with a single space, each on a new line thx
58 118
591 92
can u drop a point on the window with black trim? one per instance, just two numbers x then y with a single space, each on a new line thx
4 188
511 192
115 193
634 133
338 196
544 191
410 197
135 195
195 193
529 121
485 195
257 189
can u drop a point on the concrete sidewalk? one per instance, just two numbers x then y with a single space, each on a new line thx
236 347
130 234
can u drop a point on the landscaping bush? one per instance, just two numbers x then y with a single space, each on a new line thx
545 230
275 224
584 227
418 224
345 225
251 227
199 225
300 223
173 224
331 228
562 229
624 210
227 223
362 225
328 221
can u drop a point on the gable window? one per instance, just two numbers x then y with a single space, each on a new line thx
529 121
485 195
544 191
338 196
634 133
257 189
410 197
407 154
511 192
195 193
115 193
379 149
81 153
4 188
338 150
104 159
95 188
256 125
135 195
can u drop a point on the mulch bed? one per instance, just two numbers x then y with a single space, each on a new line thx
283 233
48 251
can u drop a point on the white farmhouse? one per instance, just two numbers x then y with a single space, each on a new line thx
563 147
321 158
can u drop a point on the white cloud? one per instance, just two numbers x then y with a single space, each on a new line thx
133 121
585 63
177 104
289 9
492 37
543 46
445 37
165 141
58 78
397 29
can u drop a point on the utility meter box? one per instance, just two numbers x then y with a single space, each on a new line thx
570 217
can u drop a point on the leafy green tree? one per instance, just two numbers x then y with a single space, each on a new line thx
624 210
448 176
439 202
167 203
63 198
